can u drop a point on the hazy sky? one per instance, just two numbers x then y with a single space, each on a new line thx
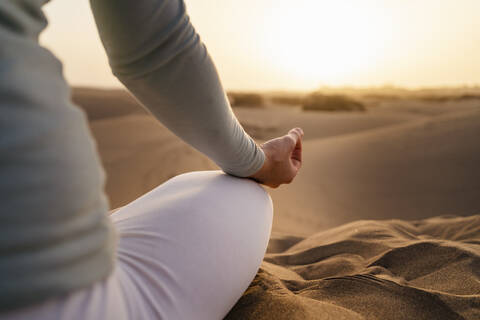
302 44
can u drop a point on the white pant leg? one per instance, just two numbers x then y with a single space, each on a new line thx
190 248
104 300
186 250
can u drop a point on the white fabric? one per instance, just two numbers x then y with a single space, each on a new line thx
186 250
54 234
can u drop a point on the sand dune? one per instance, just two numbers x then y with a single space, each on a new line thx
100 104
138 154
426 269
404 160
424 108
264 124
414 170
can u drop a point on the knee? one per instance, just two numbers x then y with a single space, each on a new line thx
246 194
238 211
221 187
214 193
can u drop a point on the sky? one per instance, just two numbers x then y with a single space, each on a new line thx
301 44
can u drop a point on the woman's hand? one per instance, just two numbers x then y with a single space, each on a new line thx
283 159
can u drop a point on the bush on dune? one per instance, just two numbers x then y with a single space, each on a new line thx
448 97
246 99
288 100
381 96
318 101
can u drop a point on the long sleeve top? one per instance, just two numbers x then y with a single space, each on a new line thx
55 235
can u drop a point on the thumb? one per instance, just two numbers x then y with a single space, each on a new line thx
296 134
296 153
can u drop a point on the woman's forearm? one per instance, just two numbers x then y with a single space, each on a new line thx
154 50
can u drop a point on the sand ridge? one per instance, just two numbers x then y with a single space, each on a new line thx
424 269
410 170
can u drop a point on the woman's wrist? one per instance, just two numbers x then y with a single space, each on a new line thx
283 159
260 174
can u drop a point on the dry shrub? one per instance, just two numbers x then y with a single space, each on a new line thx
253 100
320 102
288 100
468 96
381 96
448 97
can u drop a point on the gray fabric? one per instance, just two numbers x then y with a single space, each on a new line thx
55 235
154 50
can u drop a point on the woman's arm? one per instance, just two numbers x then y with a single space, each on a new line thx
155 52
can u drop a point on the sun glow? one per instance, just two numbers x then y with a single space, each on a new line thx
324 41
302 44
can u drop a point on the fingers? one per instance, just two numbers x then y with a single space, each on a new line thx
296 155
293 137
296 134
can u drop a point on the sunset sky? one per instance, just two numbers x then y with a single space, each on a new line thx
302 44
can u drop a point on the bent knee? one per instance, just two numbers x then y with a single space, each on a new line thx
221 185
219 178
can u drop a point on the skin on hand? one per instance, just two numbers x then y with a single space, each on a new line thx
283 159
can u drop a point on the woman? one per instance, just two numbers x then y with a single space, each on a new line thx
186 250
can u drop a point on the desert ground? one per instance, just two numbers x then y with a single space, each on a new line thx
382 221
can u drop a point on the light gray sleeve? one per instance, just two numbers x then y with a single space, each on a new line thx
155 52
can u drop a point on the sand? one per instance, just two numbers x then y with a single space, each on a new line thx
138 154
425 269
382 222
411 170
